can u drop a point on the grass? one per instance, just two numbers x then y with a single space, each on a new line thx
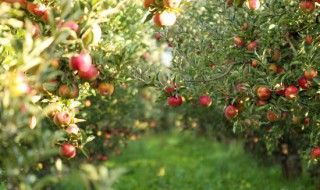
185 162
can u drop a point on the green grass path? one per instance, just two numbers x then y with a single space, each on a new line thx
174 161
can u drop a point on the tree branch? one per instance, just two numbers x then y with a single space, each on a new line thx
291 45
216 78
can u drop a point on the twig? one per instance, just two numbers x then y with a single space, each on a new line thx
216 78
291 45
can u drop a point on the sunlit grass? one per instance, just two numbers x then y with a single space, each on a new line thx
185 162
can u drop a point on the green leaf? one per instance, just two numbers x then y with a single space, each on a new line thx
85 152
148 18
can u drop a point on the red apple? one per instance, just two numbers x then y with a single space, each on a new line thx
67 151
169 90
205 100
308 39
271 116
307 6
36 9
261 103
304 83
62 118
280 89
279 70
164 19
254 4
81 62
310 73
147 3
238 41
315 152
66 91
263 93
172 3
231 112
90 75
157 36
46 16
73 129
252 45
106 89
70 24
306 121
254 63
291 92
175 101
276 55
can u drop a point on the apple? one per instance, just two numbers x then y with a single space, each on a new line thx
238 41
263 93
90 75
67 91
273 67
157 36
175 101
310 73
295 119
308 39
307 6
279 70
170 44
280 89
271 116
254 63
172 3
306 121
19 85
70 24
73 129
315 152
304 83
205 100
62 118
276 55
36 9
253 4
67 151
164 19
231 112
261 103
169 90
291 92
46 16
106 89
230 2
81 62
147 3
252 45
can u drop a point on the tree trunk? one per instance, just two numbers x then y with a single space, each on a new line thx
290 160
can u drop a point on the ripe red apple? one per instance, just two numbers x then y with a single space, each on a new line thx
90 75
147 3
45 17
279 70
164 19
175 101
291 92
263 93
67 151
261 103
252 45
306 121
308 39
106 89
70 24
74 91
231 112
238 41
253 4
307 6
62 118
36 9
73 129
157 36
304 83
280 89
81 62
172 3
205 100
67 91
271 116
169 90
310 73
254 63
315 152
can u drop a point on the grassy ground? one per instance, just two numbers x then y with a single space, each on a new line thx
184 162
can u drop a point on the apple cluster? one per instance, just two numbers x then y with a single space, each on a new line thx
164 12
